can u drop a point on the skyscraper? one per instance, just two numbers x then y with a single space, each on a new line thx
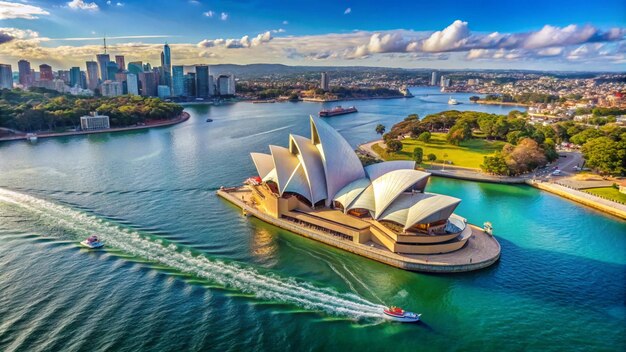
6 76
190 85
111 71
433 78
324 81
26 79
132 85
135 67
103 61
166 66
121 64
92 75
148 84
75 76
178 81
202 81
45 73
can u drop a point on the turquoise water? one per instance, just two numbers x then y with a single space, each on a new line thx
184 269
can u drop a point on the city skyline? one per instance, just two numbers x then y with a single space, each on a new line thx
63 34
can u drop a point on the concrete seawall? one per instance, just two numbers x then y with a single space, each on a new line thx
607 206
484 248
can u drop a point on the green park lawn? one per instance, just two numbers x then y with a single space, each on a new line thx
608 192
469 154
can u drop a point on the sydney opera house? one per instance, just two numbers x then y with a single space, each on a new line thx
317 187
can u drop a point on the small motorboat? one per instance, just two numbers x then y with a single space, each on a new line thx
209 120
92 242
400 315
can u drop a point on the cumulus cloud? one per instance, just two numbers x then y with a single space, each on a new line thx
451 38
82 5
347 11
9 10
223 16
285 22
244 42
209 14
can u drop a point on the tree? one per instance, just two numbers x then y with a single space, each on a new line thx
394 146
432 157
461 131
424 137
582 137
380 129
418 155
525 156
605 155
495 165
474 98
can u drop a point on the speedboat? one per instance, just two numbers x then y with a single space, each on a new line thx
92 242
209 120
453 101
400 315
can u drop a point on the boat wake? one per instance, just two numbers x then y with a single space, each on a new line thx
74 225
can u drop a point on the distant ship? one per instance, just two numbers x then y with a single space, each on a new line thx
453 101
337 110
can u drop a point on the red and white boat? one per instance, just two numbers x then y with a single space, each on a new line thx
400 315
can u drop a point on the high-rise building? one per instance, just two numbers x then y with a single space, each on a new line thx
223 85
147 67
324 81
135 67
189 89
178 80
111 88
6 76
444 82
75 77
92 75
132 86
121 64
83 80
212 86
111 70
231 84
148 84
202 81
103 61
166 66
64 75
45 73
26 78
433 78
163 91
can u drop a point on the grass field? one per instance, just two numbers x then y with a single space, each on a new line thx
609 193
469 154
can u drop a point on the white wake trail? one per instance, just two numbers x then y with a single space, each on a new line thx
266 286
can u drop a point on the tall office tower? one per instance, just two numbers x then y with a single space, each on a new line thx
433 78
45 73
135 67
6 76
75 77
121 64
132 86
147 67
190 85
26 79
148 84
92 75
120 76
231 84
324 81
103 61
211 86
202 81
166 66
164 91
222 84
111 70
442 81
83 80
158 77
111 89
64 75
178 80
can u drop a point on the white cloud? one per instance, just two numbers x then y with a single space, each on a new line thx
347 11
223 16
9 10
551 36
452 37
244 42
82 5
209 14
285 22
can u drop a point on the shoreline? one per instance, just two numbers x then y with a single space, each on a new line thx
488 102
184 116
310 100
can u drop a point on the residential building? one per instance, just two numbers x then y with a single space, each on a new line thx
45 73
433 78
121 64
111 70
148 84
324 84
202 81
92 75
64 75
111 88
103 61
6 76
132 86
25 76
75 79
94 122
178 80
226 85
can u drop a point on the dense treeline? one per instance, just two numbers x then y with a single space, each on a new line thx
524 98
42 109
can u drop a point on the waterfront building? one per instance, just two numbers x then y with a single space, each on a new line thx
92 75
166 66
212 86
147 84
135 67
189 90
202 81
25 75
45 73
132 86
103 61
111 70
444 82
163 91
433 78
226 85
94 122
75 78
178 80
324 83
121 64
110 88
6 76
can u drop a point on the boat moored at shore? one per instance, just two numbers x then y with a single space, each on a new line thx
337 110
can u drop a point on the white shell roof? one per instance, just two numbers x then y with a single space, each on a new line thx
313 167
351 191
374 171
398 211
298 183
264 163
285 164
366 200
341 164
431 209
389 186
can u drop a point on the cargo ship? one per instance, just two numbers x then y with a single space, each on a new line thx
337 110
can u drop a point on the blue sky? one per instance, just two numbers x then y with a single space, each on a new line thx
554 35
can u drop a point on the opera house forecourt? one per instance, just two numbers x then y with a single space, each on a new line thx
317 187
